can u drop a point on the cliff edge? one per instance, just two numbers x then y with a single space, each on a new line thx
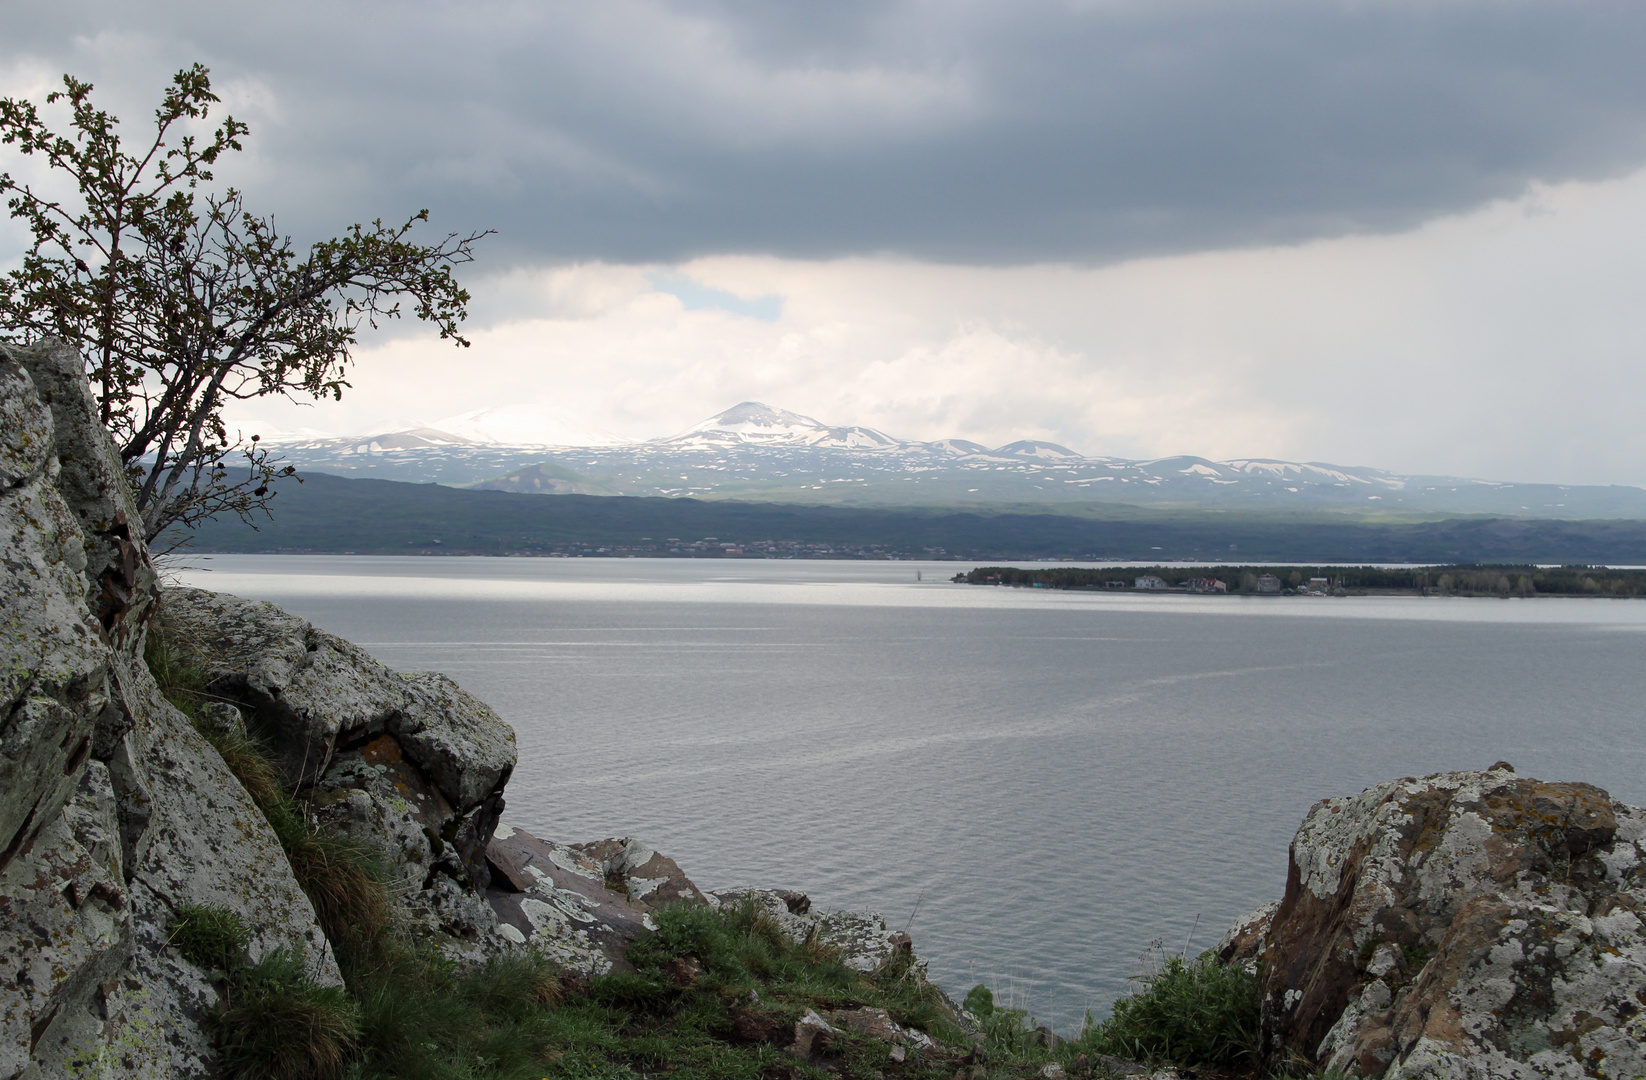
301 761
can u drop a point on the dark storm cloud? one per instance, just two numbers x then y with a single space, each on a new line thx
1001 132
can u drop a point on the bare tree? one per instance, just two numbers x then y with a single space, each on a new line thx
181 301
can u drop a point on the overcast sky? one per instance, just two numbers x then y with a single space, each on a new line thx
1409 235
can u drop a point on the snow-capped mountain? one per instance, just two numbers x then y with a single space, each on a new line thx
756 423
755 451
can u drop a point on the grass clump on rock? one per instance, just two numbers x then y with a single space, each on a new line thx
209 937
278 1025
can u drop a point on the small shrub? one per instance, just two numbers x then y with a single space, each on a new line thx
1200 1012
689 930
1007 1032
213 938
278 1025
980 1002
631 991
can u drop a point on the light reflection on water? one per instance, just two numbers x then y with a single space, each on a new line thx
1053 778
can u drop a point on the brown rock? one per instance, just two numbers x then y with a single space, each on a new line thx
812 1036
754 1026
1474 923
650 879
1247 938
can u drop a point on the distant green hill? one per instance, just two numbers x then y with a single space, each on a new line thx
333 514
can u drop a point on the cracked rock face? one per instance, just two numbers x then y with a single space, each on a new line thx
113 810
409 760
1466 924
56 674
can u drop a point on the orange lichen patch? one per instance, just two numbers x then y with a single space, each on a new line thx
381 768
383 750
1564 820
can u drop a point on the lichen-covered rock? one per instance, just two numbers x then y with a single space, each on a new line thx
64 926
113 811
373 794
456 738
649 878
92 482
411 758
557 898
55 675
1466 924
1246 939
878 1024
299 687
864 941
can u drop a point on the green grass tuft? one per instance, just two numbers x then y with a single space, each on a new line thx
213 938
1191 1012
278 1025
180 679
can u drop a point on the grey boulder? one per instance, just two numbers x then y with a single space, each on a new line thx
1463 925
411 758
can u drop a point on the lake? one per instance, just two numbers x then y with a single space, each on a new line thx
1037 783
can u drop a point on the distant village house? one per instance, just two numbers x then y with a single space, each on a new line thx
1149 581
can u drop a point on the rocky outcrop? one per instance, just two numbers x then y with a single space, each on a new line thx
864 941
113 811
407 762
574 903
1462 925
413 766
116 812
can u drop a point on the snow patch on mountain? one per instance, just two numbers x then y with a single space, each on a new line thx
1041 451
756 450
756 422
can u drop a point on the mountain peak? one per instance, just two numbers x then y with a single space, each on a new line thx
761 424
1036 448
756 416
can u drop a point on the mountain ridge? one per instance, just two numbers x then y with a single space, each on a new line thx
760 452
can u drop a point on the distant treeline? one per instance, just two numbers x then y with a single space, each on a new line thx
1465 580
333 514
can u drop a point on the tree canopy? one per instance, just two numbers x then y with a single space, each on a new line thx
182 301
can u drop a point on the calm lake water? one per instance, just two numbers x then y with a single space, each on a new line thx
1038 782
